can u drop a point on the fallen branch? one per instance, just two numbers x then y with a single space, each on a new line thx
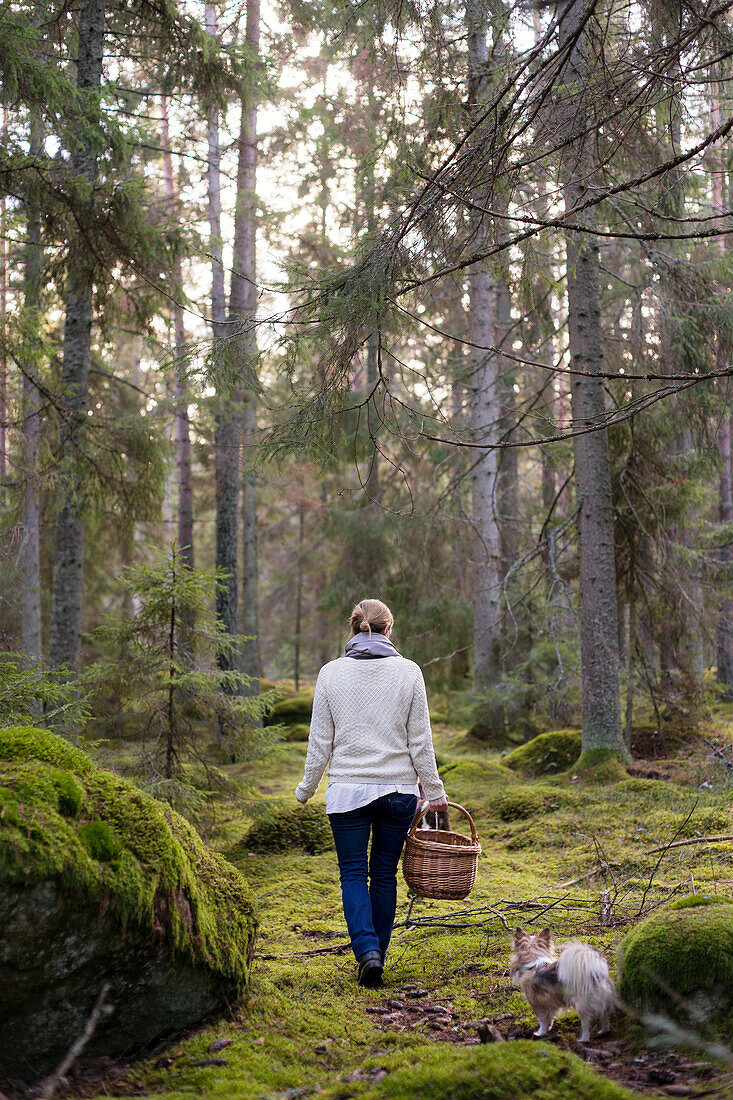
335 949
684 843
588 874
558 901
664 849
718 752
49 1086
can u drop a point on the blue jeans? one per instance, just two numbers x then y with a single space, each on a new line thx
369 891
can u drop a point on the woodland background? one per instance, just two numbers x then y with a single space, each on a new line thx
424 301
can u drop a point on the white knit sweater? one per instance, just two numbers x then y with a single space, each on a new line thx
371 720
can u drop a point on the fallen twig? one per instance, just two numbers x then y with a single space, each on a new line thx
557 901
718 752
335 949
684 843
664 851
588 874
49 1086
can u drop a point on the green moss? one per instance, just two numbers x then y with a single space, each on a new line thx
69 791
291 828
692 901
525 800
680 963
8 806
600 766
126 849
293 710
551 752
469 782
307 1025
298 732
654 789
502 1071
27 743
99 841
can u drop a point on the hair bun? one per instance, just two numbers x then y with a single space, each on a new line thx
364 624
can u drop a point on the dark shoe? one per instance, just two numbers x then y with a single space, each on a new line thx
370 969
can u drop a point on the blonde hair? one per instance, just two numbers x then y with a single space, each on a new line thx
371 615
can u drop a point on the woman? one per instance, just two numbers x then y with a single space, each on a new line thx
371 721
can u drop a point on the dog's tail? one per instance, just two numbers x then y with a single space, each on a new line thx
583 972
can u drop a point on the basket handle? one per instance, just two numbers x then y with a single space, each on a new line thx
455 805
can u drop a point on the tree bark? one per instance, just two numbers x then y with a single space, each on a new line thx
3 348
601 705
484 399
299 594
31 556
68 552
724 640
243 306
508 476
227 431
181 394
218 294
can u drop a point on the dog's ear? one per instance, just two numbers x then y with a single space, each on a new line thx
545 937
519 936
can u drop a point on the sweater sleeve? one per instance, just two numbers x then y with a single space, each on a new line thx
320 743
420 741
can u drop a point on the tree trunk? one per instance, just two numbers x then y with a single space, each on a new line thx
181 394
30 555
243 306
724 647
218 296
725 515
484 400
227 432
299 594
506 369
508 487
3 349
601 705
68 550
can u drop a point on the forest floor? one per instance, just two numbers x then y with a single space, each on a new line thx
551 848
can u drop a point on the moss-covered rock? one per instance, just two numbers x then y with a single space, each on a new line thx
502 1071
601 766
297 732
293 710
680 963
100 882
470 782
527 800
290 828
550 752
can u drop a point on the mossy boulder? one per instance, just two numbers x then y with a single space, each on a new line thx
467 777
299 732
601 766
502 1071
291 711
99 883
291 828
528 800
546 754
679 963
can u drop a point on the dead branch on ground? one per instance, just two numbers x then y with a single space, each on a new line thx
50 1084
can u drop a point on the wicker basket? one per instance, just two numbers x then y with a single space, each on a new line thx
439 863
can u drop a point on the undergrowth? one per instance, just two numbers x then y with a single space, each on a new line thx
306 1029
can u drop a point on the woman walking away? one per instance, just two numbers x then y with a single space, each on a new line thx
371 721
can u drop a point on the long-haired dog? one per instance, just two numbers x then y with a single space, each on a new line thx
577 979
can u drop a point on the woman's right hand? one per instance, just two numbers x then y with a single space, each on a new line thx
438 803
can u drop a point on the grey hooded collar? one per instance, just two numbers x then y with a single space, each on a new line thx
368 647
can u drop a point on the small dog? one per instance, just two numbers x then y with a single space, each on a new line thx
578 979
